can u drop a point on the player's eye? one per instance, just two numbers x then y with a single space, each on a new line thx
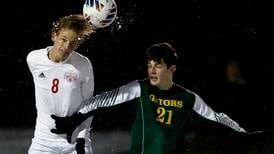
159 65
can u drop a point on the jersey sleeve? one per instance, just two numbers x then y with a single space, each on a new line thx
29 62
87 85
87 89
207 112
113 97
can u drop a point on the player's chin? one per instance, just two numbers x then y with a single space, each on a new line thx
153 81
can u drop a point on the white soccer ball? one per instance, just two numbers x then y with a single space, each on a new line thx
100 13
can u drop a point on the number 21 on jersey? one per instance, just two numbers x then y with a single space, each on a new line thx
162 115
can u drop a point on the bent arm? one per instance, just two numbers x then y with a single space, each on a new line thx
207 112
116 96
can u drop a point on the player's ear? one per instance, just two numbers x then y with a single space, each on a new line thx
53 36
172 68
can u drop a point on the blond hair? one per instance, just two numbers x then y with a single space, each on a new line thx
75 22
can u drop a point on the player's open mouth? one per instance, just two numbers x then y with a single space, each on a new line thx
153 78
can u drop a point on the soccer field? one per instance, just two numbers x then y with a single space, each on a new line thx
17 141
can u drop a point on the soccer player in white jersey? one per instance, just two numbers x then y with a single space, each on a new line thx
63 79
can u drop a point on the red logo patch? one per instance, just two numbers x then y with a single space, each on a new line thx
69 76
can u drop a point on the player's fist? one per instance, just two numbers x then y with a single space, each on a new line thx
258 138
80 146
66 125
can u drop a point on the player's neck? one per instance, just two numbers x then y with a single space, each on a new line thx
165 86
53 56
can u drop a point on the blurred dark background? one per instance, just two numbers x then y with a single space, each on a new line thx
206 35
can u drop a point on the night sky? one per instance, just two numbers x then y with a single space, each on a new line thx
205 34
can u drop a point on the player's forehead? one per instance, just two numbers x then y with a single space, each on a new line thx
69 34
156 62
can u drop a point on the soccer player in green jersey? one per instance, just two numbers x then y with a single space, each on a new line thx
163 108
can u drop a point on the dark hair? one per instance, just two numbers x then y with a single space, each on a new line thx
162 51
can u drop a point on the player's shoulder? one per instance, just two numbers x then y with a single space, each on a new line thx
36 54
143 82
184 93
79 58
182 89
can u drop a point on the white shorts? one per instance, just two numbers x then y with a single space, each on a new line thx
42 146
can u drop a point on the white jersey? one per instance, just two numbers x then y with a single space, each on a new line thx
60 89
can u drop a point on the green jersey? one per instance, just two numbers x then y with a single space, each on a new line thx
162 116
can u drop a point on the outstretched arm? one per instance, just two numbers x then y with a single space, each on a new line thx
116 96
73 125
207 112
204 110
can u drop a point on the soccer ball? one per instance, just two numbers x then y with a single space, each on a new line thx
100 13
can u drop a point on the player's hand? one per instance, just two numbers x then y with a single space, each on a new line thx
259 138
66 125
80 146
